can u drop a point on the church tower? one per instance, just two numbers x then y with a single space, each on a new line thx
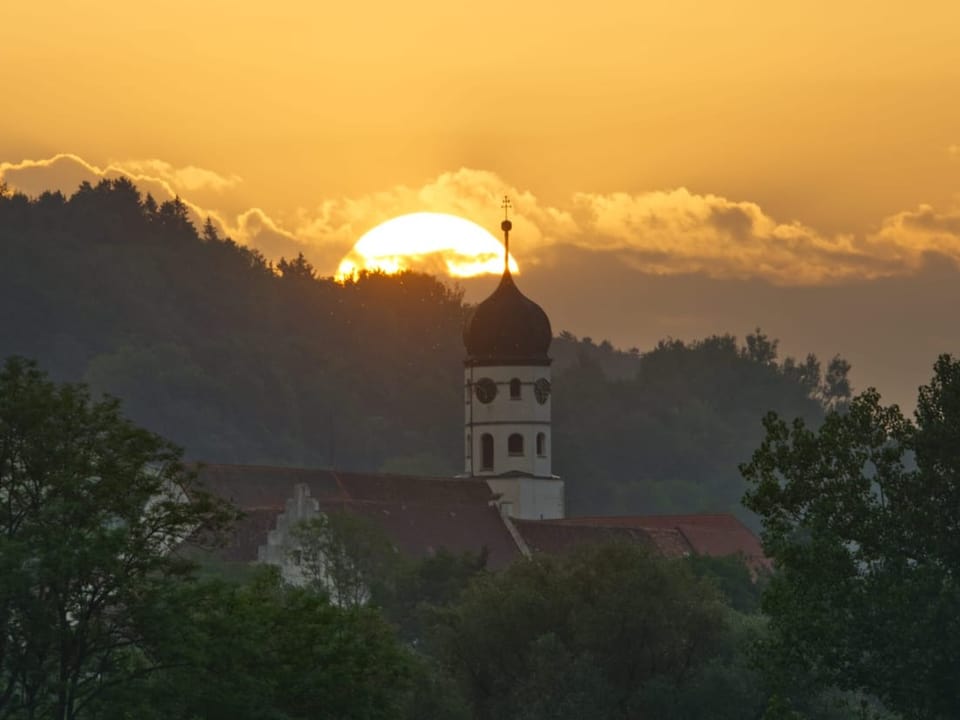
507 400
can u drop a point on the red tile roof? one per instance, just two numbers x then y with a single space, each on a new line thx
714 535
420 515
249 533
554 537
423 514
420 529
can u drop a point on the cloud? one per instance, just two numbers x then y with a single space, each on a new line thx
257 229
663 232
907 237
184 179
65 171
677 231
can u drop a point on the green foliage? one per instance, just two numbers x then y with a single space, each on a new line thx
418 589
92 508
668 436
578 636
861 520
266 650
345 555
102 614
434 694
731 576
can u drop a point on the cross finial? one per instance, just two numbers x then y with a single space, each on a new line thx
506 225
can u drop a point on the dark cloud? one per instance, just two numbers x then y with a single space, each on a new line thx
928 219
733 220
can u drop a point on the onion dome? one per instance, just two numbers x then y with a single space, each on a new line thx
507 328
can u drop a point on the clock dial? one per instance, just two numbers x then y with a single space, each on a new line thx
541 389
486 390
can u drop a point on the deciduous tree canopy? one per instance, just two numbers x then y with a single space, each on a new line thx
861 517
101 613
585 635
92 511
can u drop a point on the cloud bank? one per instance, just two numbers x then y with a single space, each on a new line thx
664 232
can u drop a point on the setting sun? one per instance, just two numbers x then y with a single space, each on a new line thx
430 242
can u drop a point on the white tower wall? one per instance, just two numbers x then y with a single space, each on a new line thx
522 477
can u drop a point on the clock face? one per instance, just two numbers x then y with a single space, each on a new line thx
541 389
486 390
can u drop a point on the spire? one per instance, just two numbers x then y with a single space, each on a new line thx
506 226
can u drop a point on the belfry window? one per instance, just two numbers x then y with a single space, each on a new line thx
515 387
486 451
515 444
541 445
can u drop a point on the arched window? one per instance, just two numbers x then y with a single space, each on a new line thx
515 389
486 451
515 444
541 444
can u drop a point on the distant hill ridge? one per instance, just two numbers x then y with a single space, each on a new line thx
242 361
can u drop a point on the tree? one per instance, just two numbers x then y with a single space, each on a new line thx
732 577
93 511
174 215
760 348
150 207
583 635
861 520
344 555
806 374
835 389
209 233
297 269
267 650
418 588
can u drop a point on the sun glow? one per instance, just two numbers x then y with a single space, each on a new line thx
430 242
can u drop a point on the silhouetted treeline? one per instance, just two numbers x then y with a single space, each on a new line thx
664 431
238 360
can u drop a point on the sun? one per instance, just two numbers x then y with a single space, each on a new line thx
435 243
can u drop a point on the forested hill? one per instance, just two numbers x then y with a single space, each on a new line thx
238 360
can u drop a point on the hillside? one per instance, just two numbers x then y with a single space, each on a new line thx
241 361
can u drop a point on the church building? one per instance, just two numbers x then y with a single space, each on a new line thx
507 401
507 504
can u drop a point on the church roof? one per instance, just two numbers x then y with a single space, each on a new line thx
715 535
558 536
507 328
420 515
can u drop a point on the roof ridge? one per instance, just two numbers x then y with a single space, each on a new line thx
659 517
355 473
348 500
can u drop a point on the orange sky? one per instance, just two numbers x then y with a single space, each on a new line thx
803 145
